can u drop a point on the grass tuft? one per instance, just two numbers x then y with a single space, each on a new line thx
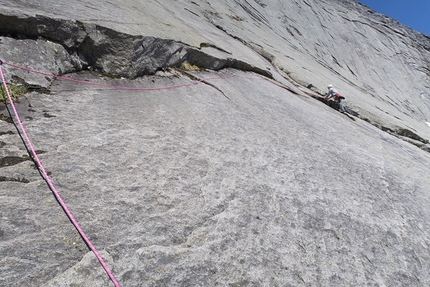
185 66
14 91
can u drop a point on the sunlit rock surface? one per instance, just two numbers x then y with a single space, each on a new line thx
236 177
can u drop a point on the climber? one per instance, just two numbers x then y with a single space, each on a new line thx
334 99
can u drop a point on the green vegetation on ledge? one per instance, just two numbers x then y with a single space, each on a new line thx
14 91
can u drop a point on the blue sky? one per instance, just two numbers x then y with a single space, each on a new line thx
412 13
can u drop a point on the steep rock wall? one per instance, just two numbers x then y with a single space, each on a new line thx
234 181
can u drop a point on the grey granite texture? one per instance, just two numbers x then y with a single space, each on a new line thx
236 177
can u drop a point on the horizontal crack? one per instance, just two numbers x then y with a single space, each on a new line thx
19 179
12 160
91 46
206 83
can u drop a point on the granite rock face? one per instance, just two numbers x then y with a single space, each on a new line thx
208 164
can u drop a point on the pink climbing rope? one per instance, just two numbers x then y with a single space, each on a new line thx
51 186
111 86
143 88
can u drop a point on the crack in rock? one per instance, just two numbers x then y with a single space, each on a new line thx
19 179
12 160
90 46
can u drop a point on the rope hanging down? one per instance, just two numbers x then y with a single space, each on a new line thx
48 181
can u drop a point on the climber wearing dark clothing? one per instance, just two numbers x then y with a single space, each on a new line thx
334 99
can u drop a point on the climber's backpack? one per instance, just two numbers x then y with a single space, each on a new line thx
339 97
